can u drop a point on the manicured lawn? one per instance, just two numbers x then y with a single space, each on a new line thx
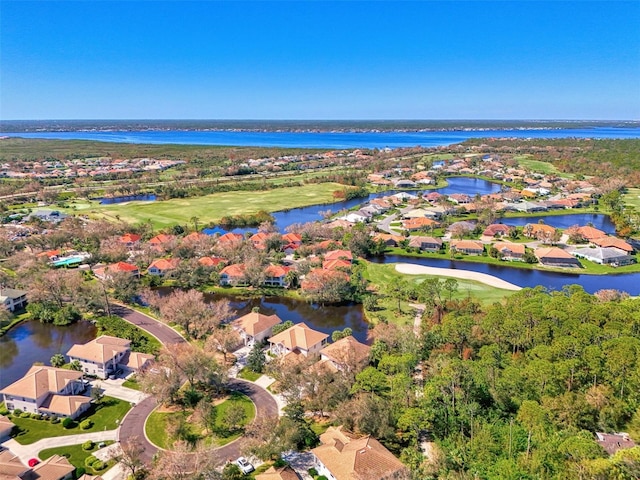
249 374
211 208
103 415
131 383
157 424
632 198
76 456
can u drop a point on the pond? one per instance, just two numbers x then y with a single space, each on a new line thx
31 342
127 198
598 220
627 282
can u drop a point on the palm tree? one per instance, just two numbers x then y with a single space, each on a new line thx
195 221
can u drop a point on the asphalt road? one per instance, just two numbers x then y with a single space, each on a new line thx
133 424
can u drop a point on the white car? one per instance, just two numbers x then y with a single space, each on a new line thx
245 466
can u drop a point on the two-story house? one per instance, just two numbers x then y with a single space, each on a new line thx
255 326
100 357
13 299
347 354
47 390
298 339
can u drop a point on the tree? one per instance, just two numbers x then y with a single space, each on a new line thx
339 334
231 471
131 450
184 463
233 417
281 327
57 360
224 339
256 359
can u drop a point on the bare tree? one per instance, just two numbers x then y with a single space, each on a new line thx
131 450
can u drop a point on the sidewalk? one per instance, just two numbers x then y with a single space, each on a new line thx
114 388
25 452
265 381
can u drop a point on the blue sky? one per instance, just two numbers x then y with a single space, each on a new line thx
312 59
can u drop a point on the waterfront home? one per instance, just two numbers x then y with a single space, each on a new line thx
230 238
470 247
106 272
460 198
421 223
607 241
510 251
195 237
276 276
343 455
604 255
347 354
292 238
353 218
47 390
612 442
298 339
404 183
556 257
538 230
6 426
339 254
233 275
255 326
13 299
430 244
130 240
497 230
162 266
389 240
590 233
100 357
280 473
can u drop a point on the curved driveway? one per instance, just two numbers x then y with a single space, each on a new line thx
133 424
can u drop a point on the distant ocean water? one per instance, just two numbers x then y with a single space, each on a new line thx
325 140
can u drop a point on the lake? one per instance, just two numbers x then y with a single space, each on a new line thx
598 220
627 282
31 342
326 140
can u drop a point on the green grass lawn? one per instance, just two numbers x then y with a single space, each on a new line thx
210 208
249 374
76 456
131 383
103 415
156 426
632 198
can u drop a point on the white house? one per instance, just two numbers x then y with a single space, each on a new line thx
100 357
13 299
299 339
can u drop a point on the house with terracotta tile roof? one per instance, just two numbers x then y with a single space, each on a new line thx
615 242
497 230
161 239
430 244
389 239
538 230
510 251
230 238
556 257
162 266
100 357
106 272
347 354
343 455
211 261
280 473
470 247
195 237
336 264
420 223
255 326
6 425
47 390
590 233
276 276
258 240
130 240
339 254
233 275
299 339
294 238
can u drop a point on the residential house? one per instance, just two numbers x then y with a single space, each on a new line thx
233 275
195 237
460 198
355 217
613 242
162 242
100 357
13 299
211 261
298 339
6 425
336 264
612 442
11 467
280 473
389 240
55 467
133 362
510 251
404 183
604 255
538 230
339 254
345 456
86 476
47 390
230 237
420 223
430 244
497 230
255 326
470 247
276 276
106 272
556 257
292 238
163 266
347 354
415 213
590 233
130 240
258 240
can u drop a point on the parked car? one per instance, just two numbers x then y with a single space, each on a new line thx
245 466
34 461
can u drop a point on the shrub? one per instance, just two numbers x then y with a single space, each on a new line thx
86 424
99 465
80 471
55 420
36 416
313 472
90 460
3 411
25 415
68 422
88 445
322 477
17 412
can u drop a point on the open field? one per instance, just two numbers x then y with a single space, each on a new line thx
209 208
632 198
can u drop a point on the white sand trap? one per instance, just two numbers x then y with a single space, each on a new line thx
413 269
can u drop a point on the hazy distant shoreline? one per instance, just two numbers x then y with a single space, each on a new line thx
303 126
